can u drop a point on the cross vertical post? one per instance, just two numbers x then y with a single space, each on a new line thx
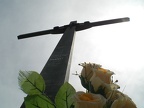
57 69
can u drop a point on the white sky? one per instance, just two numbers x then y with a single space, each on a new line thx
117 47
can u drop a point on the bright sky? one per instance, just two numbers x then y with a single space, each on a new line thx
117 47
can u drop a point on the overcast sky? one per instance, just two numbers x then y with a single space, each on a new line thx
118 47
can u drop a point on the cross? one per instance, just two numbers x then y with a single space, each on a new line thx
56 70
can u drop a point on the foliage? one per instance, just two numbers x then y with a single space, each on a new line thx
33 84
38 101
64 97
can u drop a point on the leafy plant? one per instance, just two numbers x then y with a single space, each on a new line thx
64 97
38 101
33 84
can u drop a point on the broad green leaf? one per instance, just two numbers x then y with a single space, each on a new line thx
64 97
38 101
31 82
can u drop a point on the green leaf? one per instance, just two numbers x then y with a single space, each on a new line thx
31 82
38 101
64 97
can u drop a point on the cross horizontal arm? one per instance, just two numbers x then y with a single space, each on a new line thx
78 27
28 35
86 25
55 30
113 21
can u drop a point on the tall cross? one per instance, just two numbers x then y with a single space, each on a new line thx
56 70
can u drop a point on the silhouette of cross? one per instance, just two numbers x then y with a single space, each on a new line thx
56 70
